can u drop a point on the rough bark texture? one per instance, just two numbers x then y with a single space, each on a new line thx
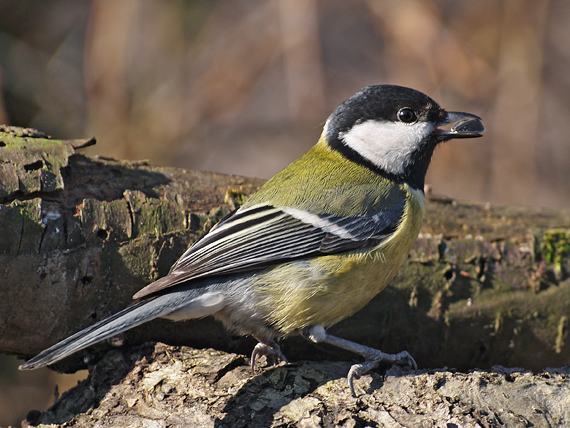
80 236
164 386
484 285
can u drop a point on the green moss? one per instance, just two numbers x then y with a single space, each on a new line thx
556 248
134 261
102 220
156 216
22 227
35 162
215 216
561 333
235 198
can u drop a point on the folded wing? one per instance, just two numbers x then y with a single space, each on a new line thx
263 235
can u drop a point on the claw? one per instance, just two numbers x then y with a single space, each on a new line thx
272 353
357 370
259 350
405 356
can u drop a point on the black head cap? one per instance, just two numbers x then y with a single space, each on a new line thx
382 102
393 131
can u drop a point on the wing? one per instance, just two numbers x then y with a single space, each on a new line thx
263 235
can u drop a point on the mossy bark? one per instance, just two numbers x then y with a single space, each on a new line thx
484 285
79 236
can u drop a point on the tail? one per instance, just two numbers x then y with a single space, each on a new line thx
132 316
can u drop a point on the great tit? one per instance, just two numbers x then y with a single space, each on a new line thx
316 243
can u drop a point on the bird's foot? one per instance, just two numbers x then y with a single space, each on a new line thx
271 351
374 358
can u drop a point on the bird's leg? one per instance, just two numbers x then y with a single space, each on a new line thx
270 349
373 357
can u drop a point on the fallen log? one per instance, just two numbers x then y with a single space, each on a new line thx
484 285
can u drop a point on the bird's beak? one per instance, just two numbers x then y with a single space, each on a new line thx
465 125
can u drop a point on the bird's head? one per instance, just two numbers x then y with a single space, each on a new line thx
393 130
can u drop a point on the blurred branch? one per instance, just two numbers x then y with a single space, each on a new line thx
303 67
3 114
424 49
105 56
225 72
517 103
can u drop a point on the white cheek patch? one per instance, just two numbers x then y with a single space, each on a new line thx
388 145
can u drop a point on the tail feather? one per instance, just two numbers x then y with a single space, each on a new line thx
132 316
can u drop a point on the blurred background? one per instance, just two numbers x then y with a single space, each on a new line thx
245 87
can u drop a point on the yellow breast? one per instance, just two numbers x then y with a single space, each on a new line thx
327 289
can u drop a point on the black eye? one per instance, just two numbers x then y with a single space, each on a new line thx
407 115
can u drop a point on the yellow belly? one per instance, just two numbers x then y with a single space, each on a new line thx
327 289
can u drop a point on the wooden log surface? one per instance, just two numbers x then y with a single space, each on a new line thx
164 386
484 285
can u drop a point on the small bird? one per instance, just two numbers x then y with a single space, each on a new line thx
315 243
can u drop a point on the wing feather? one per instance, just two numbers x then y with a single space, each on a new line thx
263 235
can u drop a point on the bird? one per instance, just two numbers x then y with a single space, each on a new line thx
315 243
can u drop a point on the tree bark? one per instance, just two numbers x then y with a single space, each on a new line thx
160 386
81 235
484 285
